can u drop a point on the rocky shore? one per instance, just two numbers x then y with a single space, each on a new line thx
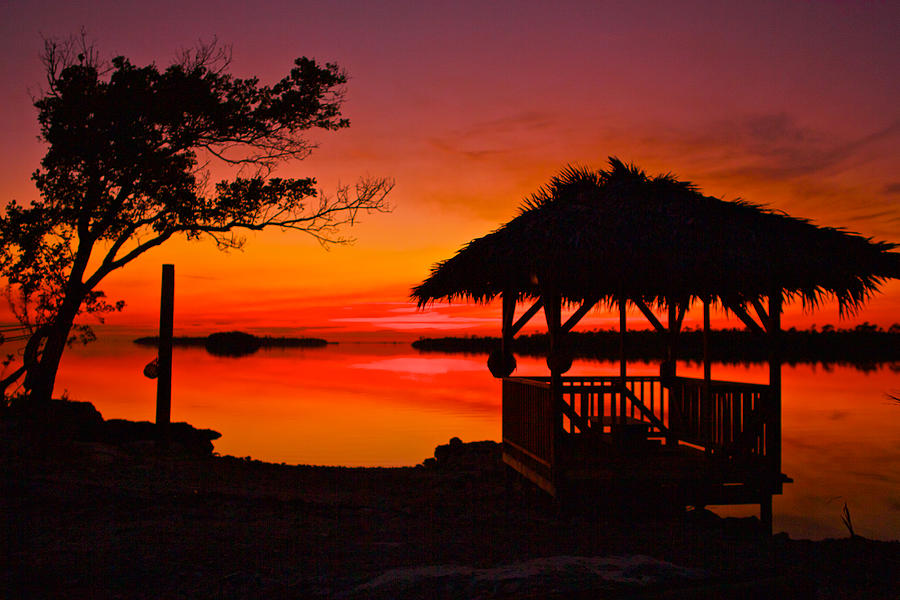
108 517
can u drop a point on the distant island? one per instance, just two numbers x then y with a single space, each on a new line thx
236 343
863 346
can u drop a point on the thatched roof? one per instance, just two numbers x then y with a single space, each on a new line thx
599 234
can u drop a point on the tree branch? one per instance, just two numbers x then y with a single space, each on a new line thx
108 267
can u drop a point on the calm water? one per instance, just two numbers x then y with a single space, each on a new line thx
387 405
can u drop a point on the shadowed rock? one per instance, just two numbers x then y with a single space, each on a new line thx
66 420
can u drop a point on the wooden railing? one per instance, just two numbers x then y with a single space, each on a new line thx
600 403
604 403
728 417
725 418
528 420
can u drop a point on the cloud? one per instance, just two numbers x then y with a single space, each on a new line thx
776 159
454 150
494 138
773 147
420 321
527 120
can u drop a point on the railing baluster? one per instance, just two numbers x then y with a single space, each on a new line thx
733 417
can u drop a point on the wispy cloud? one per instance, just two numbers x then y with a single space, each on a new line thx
423 321
774 147
495 138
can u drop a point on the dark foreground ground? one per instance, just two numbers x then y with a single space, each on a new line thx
106 520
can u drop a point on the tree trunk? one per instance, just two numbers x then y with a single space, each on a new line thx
42 376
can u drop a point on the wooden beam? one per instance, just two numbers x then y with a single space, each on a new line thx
578 315
761 312
538 305
745 317
579 421
646 411
649 314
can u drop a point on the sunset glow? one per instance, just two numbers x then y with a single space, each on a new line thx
346 299
472 107
376 404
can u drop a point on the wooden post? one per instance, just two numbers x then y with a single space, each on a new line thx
672 359
164 381
773 421
672 346
707 378
623 363
765 512
509 310
552 310
707 367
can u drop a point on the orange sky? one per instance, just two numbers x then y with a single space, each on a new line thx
471 106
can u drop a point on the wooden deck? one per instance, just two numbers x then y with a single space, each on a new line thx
681 440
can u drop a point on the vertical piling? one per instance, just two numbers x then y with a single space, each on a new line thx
623 362
164 380
709 428
671 372
773 418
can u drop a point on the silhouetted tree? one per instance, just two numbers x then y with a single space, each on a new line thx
129 151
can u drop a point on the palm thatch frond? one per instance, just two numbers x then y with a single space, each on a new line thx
604 234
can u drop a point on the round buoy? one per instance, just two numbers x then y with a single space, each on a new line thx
500 364
560 362
151 369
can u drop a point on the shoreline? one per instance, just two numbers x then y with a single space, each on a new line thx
863 347
100 519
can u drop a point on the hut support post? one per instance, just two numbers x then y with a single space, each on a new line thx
623 363
773 411
552 309
668 367
773 427
164 380
765 511
707 365
707 376
509 311
671 370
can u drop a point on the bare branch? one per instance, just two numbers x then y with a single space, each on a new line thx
129 150
209 55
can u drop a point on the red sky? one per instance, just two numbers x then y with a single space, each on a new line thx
470 106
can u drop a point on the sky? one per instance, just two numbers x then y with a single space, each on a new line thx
471 106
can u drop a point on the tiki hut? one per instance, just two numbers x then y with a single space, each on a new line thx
618 237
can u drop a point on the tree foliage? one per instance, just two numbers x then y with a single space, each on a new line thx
127 167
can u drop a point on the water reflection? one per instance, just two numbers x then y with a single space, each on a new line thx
385 404
422 366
